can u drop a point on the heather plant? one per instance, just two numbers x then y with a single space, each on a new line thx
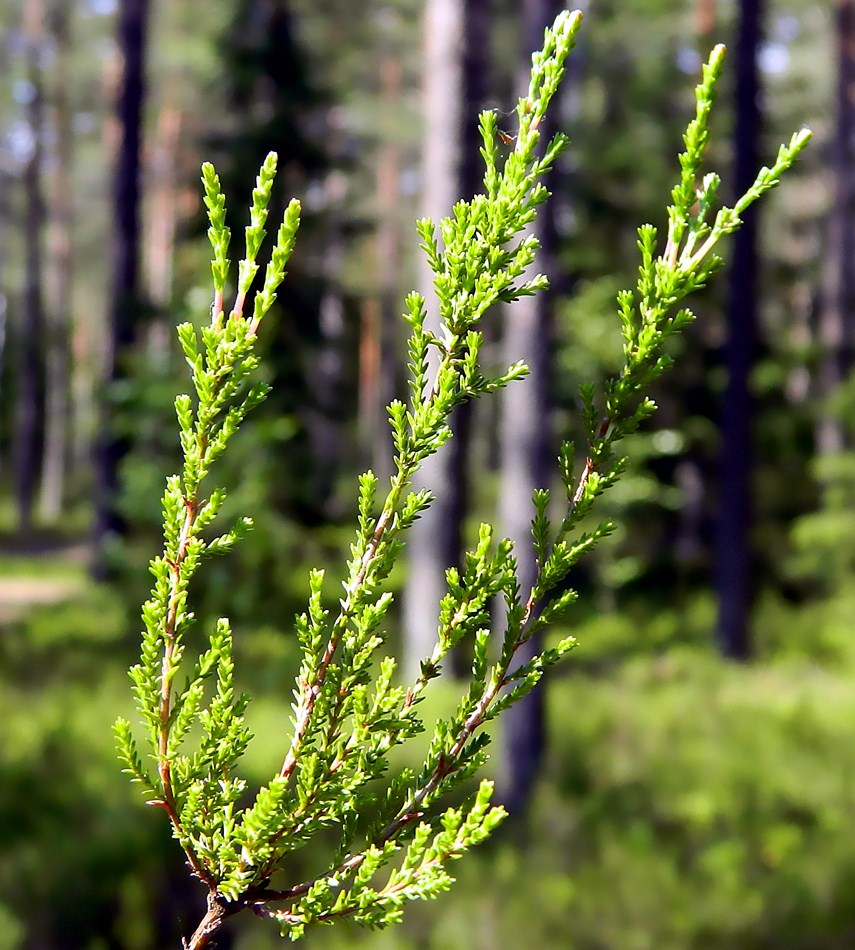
390 838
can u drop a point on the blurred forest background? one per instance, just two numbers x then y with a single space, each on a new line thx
688 778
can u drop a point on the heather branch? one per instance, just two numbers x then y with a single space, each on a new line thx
347 712
456 342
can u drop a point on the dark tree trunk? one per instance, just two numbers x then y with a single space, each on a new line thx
5 389
29 416
734 562
836 318
475 90
526 452
5 222
124 301
693 475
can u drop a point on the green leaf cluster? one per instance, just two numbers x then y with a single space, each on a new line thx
196 789
391 842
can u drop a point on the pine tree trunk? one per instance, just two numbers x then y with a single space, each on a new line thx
124 301
526 453
693 475
380 346
373 451
5 220
29 415
162 221
5 389
734 562
325 421
435 539
704 18
55 456
160 226
835 330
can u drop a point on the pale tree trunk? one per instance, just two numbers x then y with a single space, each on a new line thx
435 539
29 414
526 453
325 421
124 301
88 336
372 443
55 455
474 93
161 224
734 560
836 317
704 19
162 219
379 346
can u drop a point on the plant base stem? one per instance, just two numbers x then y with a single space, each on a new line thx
218 911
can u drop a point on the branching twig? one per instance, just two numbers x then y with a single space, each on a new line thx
349 712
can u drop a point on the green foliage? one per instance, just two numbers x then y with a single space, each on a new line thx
618 839
391 841
629 104
67 870
691 805
824 551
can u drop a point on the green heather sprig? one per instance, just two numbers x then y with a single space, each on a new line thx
394 840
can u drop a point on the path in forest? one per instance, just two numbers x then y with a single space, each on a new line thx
20 592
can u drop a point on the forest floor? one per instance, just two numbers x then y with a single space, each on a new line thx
50 574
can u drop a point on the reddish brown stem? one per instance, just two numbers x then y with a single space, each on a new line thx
217 914
309 693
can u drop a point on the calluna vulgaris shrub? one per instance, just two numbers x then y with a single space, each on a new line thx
390 839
